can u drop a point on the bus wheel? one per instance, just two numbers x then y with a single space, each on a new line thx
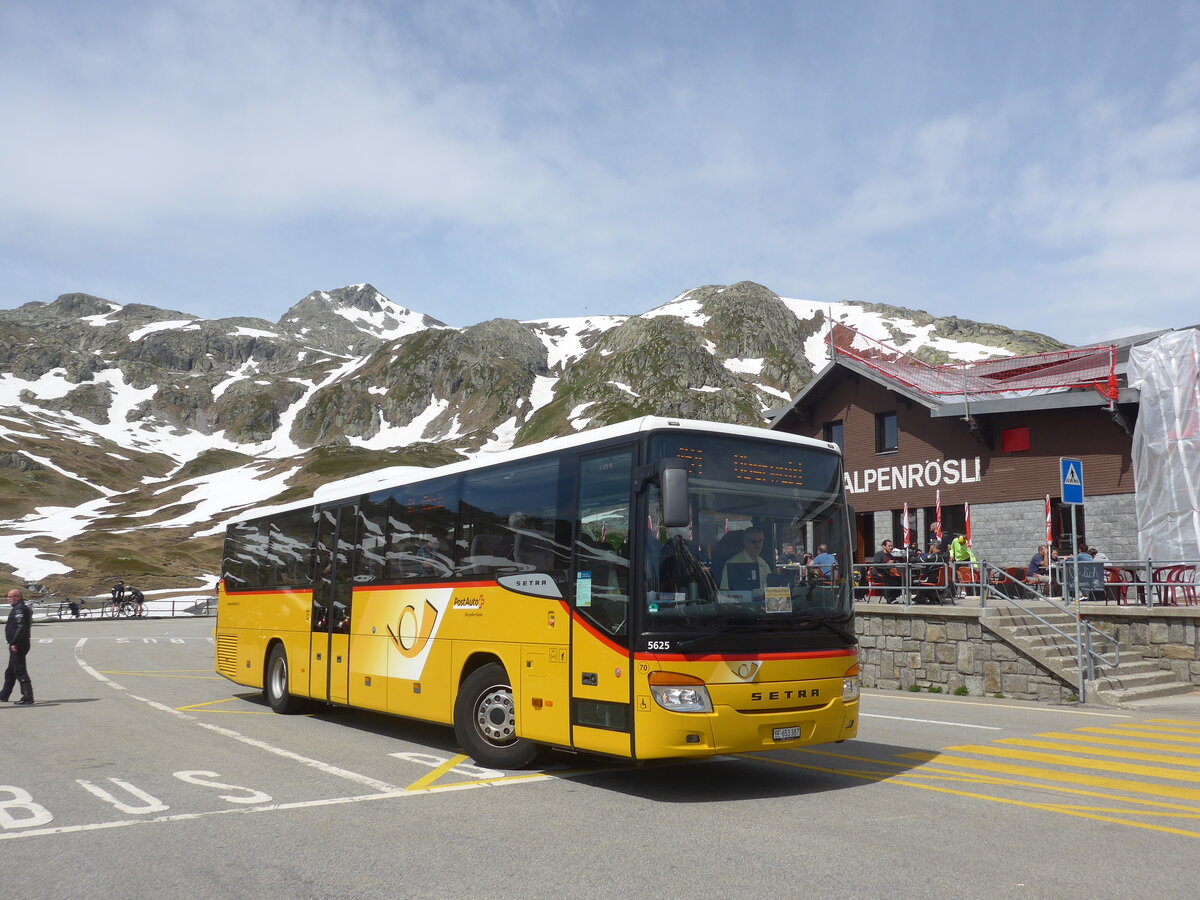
276 689
485 720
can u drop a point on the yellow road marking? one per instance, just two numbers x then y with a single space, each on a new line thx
1046 807
1097 751
166 674
1077 762
1118 742
426 780
983 778
1194 725
226 712
1129 731
1112 784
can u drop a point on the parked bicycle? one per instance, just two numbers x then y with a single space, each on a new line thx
73 609
126 609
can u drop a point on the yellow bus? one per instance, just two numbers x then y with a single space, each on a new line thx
623 591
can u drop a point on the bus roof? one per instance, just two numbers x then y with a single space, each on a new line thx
369 482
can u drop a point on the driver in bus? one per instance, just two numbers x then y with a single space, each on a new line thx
752 546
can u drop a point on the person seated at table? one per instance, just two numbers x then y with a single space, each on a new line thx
1037 571
884 570
934 558
823 563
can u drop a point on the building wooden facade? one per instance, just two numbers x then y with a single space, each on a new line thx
999 455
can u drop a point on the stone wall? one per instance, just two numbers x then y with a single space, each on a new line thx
947 648
1112 525
1007 534
1171 637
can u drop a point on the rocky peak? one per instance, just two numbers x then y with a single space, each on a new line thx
351 321
76 306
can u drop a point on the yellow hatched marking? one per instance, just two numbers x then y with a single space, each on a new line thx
1077 762
928 771
1128 731
1045 807
1097 751
1185 722
226 712
1112 784
1116 742
167 674
426 780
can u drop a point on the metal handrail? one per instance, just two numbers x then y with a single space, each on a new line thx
189 608
911 587
997 576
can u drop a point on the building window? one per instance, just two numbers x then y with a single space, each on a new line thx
834 434
886 437
1014 440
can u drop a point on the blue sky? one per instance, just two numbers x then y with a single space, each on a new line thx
1035 164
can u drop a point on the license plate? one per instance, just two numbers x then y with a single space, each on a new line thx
786 734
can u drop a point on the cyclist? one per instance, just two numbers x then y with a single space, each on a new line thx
137 598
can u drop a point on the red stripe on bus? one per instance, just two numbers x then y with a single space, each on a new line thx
596 633
230 593
424 585
707 657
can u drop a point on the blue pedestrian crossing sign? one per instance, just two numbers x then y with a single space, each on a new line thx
1071 476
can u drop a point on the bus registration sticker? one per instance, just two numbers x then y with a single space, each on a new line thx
791 733
583 589
779 600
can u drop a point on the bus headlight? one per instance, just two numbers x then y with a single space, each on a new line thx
680 693
850 683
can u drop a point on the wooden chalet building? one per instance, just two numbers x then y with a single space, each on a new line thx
986 434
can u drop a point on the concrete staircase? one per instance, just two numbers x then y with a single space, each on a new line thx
1136 678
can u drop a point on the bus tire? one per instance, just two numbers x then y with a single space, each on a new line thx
275 685
485 720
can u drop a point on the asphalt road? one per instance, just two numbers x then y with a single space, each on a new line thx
139 772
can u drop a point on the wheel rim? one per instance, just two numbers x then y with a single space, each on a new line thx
279 677
495 715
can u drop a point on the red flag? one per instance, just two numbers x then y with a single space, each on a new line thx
907 534
1049 525
967 509
938 520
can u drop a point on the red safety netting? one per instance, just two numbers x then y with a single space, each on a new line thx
1056 370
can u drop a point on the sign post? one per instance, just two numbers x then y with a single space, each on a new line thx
1070 476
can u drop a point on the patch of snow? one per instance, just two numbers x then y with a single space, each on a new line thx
745 366
172 325
682 307
390 436
627 389
243 331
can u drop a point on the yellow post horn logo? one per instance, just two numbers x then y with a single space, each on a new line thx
410 638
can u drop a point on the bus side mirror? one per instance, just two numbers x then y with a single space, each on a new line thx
673 483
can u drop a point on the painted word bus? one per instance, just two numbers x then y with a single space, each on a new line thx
622 591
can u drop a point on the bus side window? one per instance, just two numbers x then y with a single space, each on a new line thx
509 519
405 525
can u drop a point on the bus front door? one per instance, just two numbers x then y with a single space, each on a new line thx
601 696
329 666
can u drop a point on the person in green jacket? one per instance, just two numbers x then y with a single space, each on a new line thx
960 550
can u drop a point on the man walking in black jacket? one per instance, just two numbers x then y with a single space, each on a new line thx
16 636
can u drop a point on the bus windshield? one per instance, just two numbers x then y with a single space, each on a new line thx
740 567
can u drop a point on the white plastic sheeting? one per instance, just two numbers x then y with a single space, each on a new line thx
1166 445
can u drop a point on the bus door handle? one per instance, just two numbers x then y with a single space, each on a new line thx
589 678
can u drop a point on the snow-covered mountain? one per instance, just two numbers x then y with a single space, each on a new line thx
128 434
